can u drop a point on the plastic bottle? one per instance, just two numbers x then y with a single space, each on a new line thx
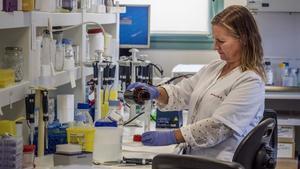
293 76
83 117
287 79
281 73
69 62
269 73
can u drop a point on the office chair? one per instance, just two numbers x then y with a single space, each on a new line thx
174 161
258 150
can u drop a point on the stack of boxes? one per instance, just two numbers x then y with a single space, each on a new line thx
286 148
11 152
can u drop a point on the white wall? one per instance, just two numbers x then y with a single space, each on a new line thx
169 58
234 2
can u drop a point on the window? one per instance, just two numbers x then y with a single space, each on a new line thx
177 24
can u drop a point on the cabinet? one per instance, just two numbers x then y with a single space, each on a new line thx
274 5
21 29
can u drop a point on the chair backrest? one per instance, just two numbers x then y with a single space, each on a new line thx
258 149
173 161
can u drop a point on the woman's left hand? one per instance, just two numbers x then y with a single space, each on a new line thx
158 138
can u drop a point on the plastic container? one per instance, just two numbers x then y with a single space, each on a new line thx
59 57
96 43
27 5
10 5
28 156
69 62
107 45
83 136
83 115
11 151
14 59
109 142
7 126
7 77
69 5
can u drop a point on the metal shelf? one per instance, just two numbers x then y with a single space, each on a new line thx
279 92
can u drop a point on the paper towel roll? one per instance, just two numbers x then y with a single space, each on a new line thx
65 108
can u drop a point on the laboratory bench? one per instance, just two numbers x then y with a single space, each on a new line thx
130 149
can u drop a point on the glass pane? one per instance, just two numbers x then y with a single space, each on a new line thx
177 16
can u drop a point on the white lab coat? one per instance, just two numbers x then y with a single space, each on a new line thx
237 100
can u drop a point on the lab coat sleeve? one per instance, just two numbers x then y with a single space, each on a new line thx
180 94
205 133
244 103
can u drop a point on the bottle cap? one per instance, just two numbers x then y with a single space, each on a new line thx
137 138
28 148
83 106
94 31
106 124
66 41
281 65
268 63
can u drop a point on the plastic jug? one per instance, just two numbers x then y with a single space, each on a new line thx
108 142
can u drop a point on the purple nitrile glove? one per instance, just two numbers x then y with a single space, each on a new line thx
154 93
158 138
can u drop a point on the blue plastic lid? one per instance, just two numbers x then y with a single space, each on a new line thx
106 124
66 41
83 106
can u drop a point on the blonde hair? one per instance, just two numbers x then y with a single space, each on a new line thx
239 21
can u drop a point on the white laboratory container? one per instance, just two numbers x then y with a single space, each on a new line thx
96 43
108 142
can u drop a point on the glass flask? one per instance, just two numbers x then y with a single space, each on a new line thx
14 59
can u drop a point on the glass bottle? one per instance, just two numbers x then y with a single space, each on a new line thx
269 73
69 62
14 59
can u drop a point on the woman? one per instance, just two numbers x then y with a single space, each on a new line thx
225 99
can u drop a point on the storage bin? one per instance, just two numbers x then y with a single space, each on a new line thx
7 77
82 136
27 5
108 137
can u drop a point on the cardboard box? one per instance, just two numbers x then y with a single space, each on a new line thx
286 134
286 150
287 164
